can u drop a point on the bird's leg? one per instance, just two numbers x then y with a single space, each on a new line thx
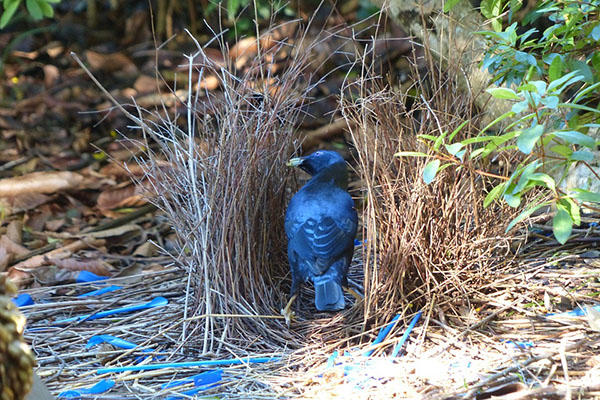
354 293
286 312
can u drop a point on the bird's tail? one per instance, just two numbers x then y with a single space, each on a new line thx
329 295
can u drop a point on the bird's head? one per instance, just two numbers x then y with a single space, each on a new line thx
317 161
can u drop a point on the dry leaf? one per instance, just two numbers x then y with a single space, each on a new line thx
40 182
24 202
14 231
12 247
129 196
111 63
95 266
5 259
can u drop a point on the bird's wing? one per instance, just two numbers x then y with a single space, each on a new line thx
320 242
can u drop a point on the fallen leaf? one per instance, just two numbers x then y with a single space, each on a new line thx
40 182
14 231
24 202
12 247
95 266
129 196
111 63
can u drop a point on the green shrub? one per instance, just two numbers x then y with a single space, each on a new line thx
38 9
552 79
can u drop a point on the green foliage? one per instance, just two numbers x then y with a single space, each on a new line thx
552 82
241 12
38 9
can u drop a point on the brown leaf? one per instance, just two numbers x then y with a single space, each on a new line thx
145 84
147 249
51 75
40 182
24 202
62 252
95 266
12 247
111 63
246 47
14 231
5 258
129 196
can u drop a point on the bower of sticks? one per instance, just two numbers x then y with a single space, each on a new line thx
453 306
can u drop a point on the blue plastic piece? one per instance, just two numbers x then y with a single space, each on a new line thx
521 345
156 302
87 276
206 363
23 299
203 379
593 224
98 292
117 342
187 394
382 334
578 312
100 387
331 359
404 337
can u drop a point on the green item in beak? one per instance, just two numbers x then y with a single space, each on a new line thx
294 162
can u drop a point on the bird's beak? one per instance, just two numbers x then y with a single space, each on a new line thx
294 162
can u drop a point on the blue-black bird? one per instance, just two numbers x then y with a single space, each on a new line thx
320 224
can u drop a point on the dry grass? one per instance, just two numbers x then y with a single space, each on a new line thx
426 245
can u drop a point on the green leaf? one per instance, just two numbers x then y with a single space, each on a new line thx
524 214
34 9
493 194
573 209
576 137
410 154
8 13
449 4
562 150
512 200
556 83
430 171
232 7
503 93
454 148
525 175
555 69
582 155
586 196
454 132
529 137
562 225
545 179
46 8
585 91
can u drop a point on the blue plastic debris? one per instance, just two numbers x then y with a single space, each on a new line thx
100 387
331 359
382 334
103 290
113 340
156 302
87 276
23 299
188 364
208 378
521 345
578 312
117 342
404 337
